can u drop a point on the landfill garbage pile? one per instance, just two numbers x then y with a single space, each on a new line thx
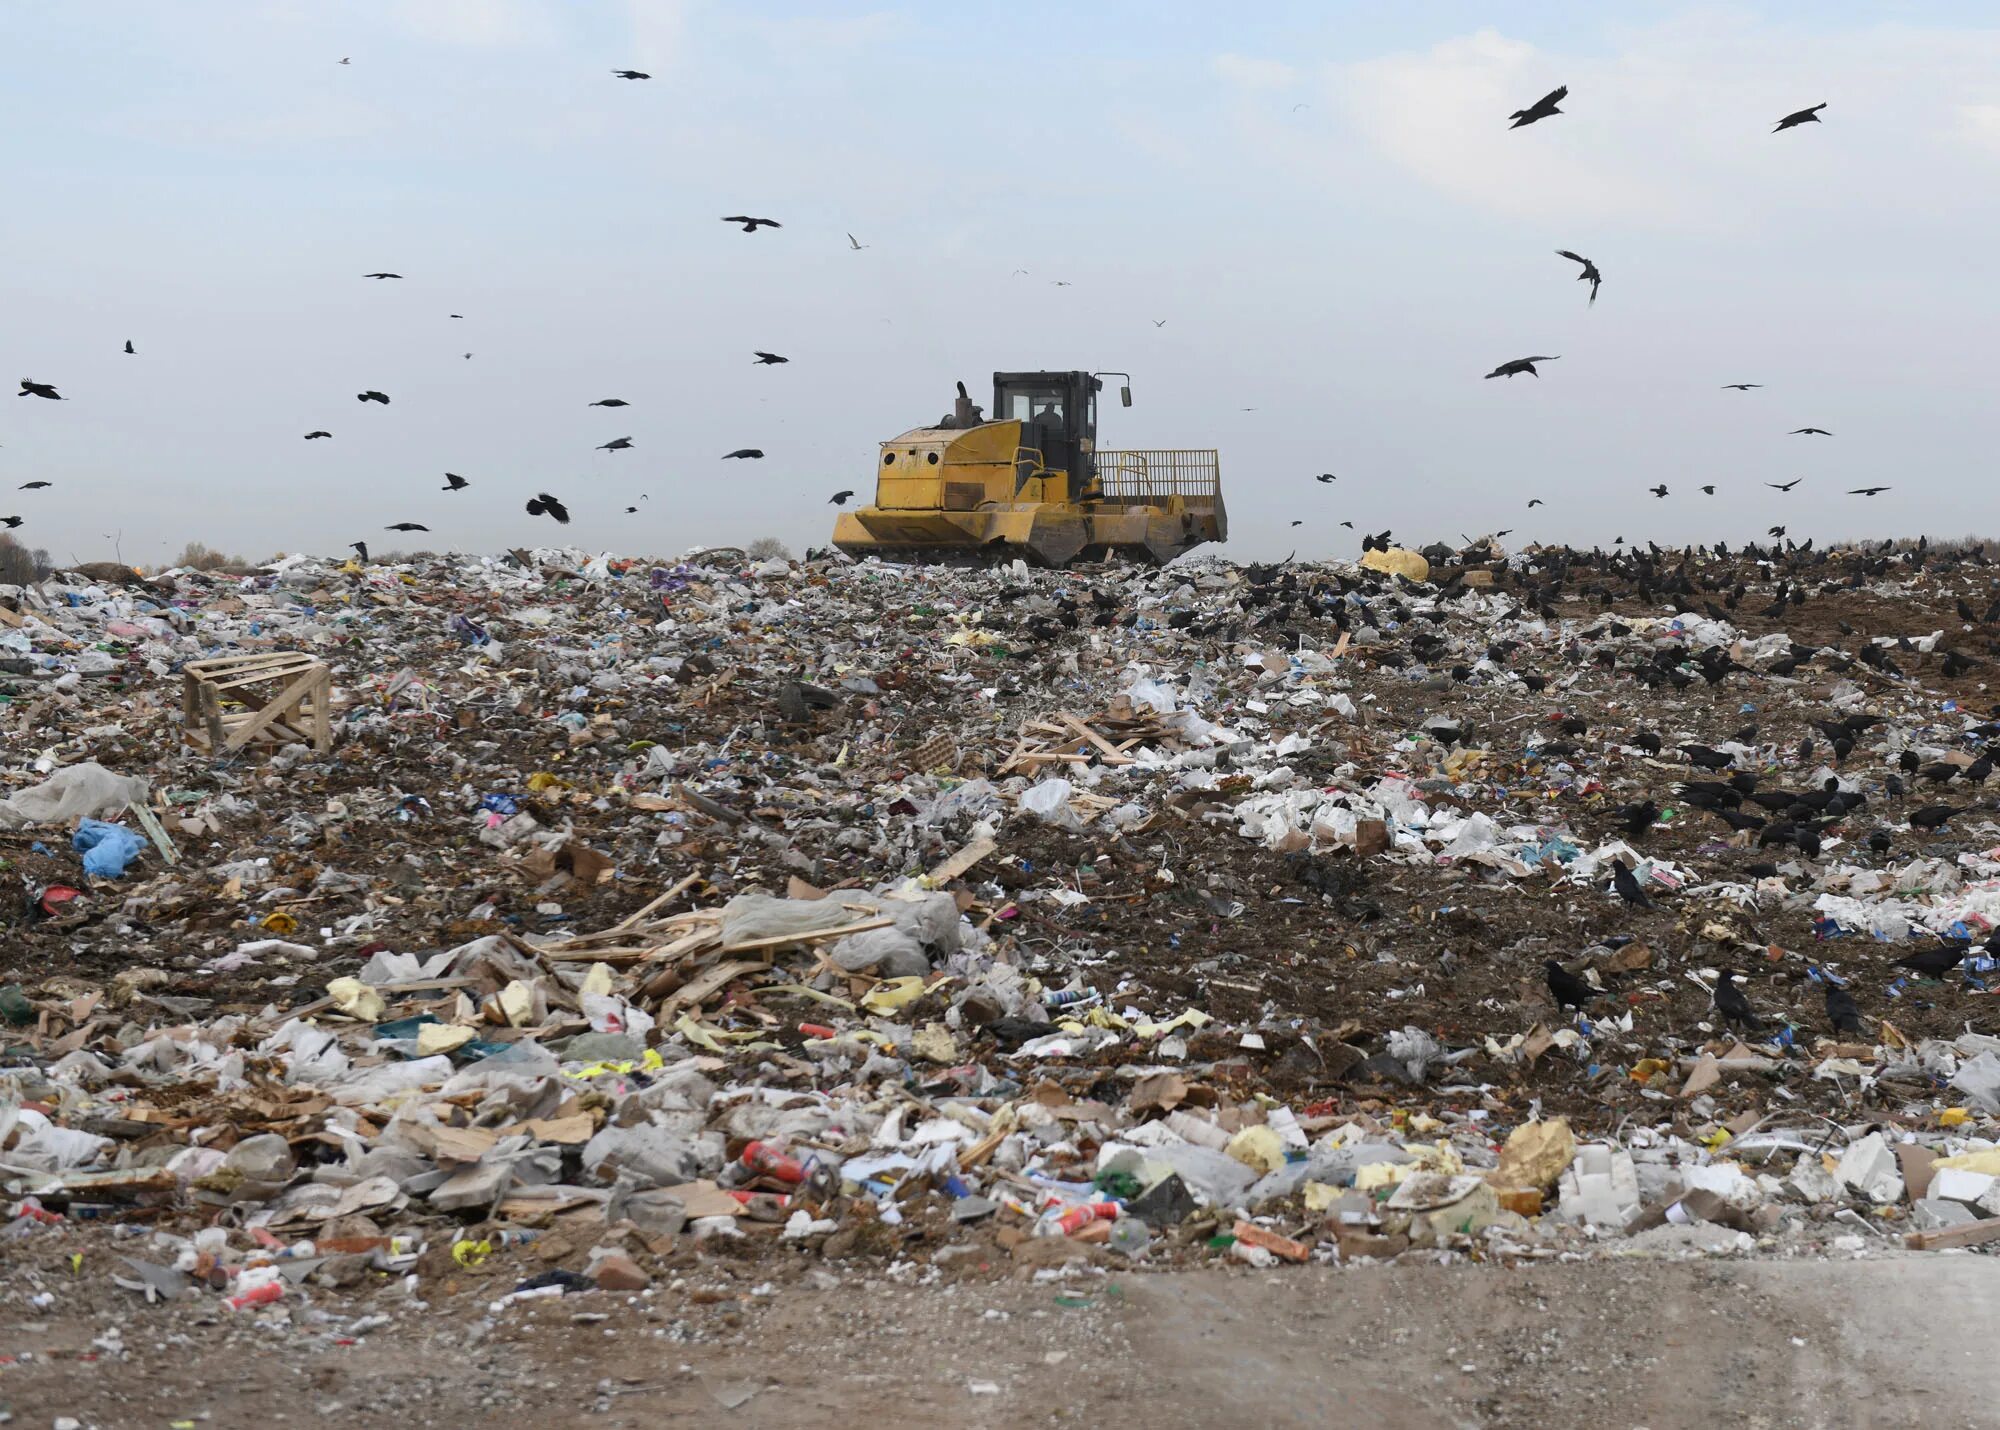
647 912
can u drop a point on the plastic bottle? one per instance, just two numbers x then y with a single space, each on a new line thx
768 1161
1131 1236
263 1295
1079 1217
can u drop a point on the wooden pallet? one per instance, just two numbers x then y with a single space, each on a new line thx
286 697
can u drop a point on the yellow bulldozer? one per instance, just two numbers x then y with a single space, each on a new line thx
1030 482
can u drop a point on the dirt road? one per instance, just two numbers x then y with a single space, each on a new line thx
1616 1343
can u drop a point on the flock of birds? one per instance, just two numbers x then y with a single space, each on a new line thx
1548 106
551 506
542 503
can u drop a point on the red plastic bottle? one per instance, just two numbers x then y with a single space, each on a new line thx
1077 1218
259 1296
770 1162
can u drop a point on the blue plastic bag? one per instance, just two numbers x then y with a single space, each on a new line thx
106 848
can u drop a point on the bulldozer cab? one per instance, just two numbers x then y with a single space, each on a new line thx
1058 416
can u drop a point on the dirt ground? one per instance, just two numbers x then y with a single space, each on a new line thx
1899 1340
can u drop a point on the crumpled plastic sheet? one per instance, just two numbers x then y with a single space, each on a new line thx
79 791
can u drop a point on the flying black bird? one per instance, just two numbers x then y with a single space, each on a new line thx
1659 491
1740 386
1534 502
1348 524
542 504
129 348
1801 116
381 275
454 315
372 396
631 74
840 498
751 453
1520 365
751 225
360 546
1326 477
1709 490
1298 523
1565 987
1776 533
1809 431
1868 491
31 486
630 510
1934 962
406 526
453 482
1589 275
31 388
611 402
10 522
1731 1004
765 359
311 436
617 444
1785 486
1841 1010
1627 887
1540 109
856 245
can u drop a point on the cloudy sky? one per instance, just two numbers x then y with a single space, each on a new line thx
1322 201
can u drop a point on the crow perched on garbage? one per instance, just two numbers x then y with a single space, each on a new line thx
1935 816
1841 1010
1934 962
1565 987
1731 1004
1708 759
1636 819
360 548
1627 887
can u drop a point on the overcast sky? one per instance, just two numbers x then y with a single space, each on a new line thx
1322 201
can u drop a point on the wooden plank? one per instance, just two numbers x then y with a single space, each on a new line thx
282 705
633 920
958 863
780 940
1110 751
1971 1233
706 985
